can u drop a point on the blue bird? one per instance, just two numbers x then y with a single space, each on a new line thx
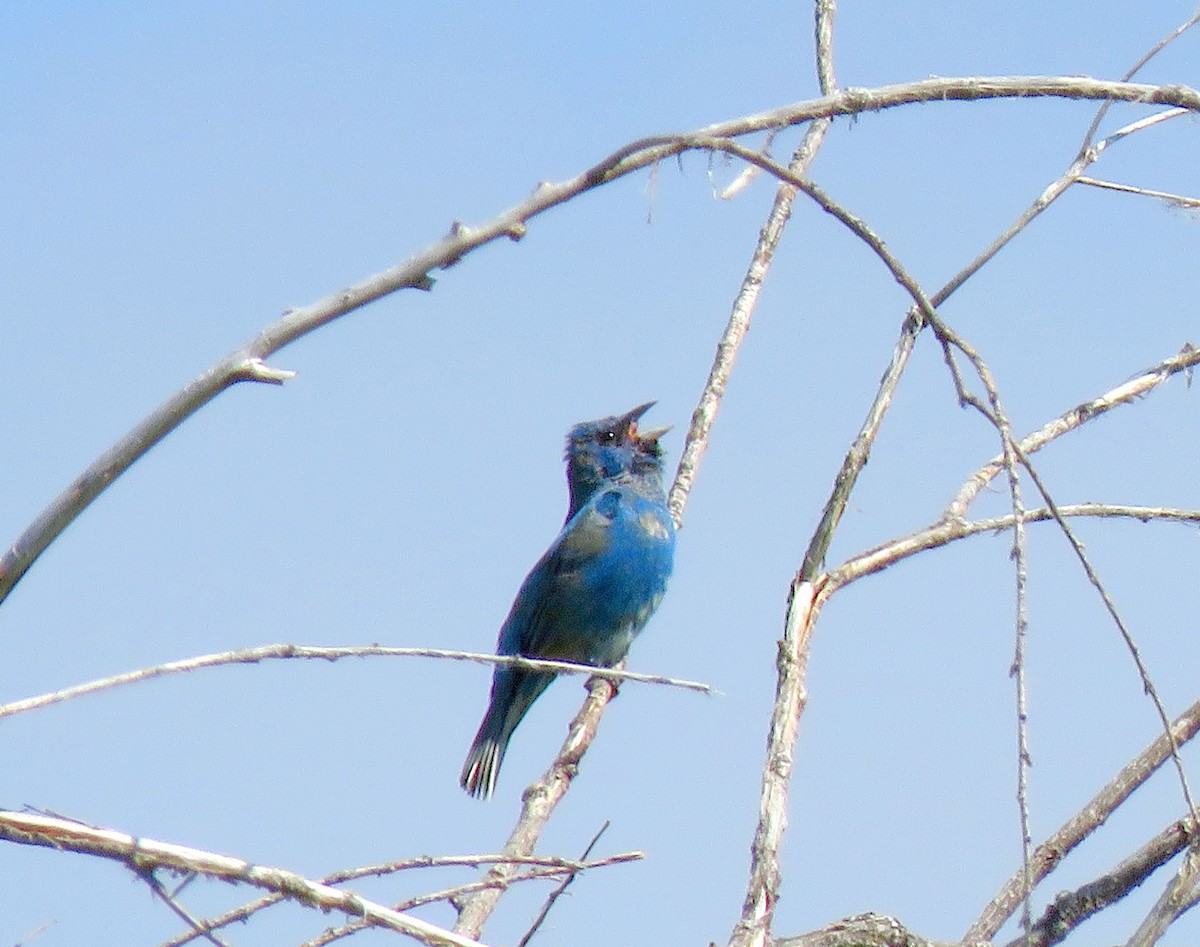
595 587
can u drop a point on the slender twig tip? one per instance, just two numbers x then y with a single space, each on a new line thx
255 369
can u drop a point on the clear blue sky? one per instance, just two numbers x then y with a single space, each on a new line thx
175 175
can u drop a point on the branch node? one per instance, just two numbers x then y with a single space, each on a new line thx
255 369
856 99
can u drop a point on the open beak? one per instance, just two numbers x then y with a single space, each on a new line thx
629 420
654 434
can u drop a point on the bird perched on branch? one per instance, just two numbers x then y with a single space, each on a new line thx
595 587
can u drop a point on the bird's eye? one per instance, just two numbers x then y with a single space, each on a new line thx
607 437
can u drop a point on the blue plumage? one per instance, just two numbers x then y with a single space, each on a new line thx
594 588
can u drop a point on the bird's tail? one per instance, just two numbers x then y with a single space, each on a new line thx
512 693
483 764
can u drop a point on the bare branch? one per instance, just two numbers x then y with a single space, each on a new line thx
414 273
38 931
1071 908
1088 154
1047 856
762 889
142 855
865 930
312 652
537 805
791 697
547 867
1110 606
758 903
995 413
1179 895
1012 452
746 300
457 893
1087 157
1123 394
1068 910
953 526
943 533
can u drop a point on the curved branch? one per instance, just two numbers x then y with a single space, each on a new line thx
247 362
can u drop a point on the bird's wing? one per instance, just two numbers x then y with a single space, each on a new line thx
541 622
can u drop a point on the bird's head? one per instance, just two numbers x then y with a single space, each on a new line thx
610 448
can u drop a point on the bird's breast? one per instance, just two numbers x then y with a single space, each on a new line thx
651 523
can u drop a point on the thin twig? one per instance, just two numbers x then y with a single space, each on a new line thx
1133 71
995 413
38 931
234 916
1013 453
1123 394
1087 157
548 866
944 532
1111 607
1174 200
314 652
454 894
1047 856
562 886
1147 683
168 899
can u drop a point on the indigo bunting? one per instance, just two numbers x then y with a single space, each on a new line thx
595 587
